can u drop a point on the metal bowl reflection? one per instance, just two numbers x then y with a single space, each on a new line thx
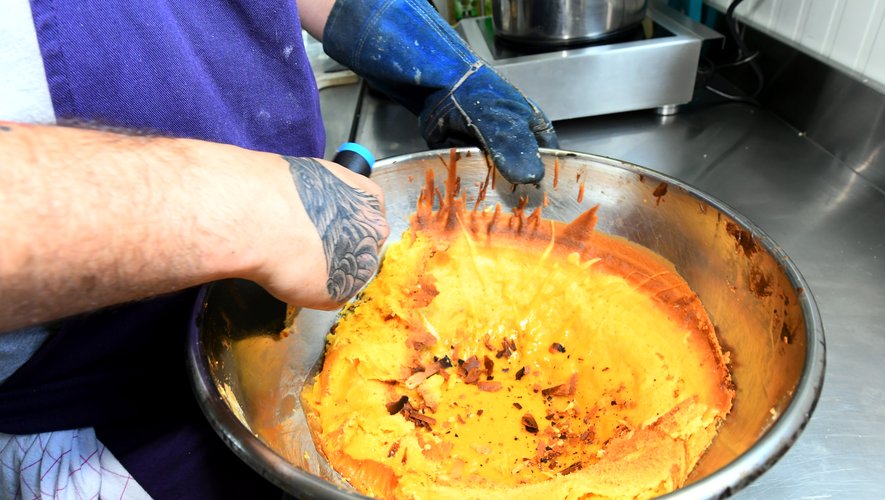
248 377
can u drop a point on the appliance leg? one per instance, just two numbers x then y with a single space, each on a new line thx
667 109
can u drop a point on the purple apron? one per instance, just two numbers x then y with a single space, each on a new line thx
228 71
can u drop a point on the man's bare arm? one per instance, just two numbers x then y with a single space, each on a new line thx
89 219
313 14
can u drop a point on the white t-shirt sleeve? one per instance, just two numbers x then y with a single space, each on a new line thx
24 92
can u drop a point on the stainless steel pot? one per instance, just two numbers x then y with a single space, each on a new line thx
248 377
562 22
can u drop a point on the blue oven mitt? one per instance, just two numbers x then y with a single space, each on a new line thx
407 51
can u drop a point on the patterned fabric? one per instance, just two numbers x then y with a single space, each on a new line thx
65 464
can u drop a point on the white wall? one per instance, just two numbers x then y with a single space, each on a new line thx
846 33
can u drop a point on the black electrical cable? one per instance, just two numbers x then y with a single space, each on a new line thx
357 112
744 56
743 50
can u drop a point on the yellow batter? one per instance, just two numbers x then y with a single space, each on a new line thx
497 356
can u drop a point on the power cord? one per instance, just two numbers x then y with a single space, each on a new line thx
744 56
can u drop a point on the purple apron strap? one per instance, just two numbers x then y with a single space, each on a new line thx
102 367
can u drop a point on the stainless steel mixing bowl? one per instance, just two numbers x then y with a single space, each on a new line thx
248 377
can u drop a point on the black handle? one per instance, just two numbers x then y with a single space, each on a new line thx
355 158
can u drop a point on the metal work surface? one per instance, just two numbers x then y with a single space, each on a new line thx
826 217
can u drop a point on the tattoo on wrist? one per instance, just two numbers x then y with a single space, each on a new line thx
347 220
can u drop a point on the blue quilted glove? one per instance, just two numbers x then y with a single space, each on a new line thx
407 51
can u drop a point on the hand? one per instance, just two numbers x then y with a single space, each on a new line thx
404 49
508 125
337 229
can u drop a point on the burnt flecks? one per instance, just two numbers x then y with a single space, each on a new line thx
787 334
415 416
571 468
471 370
567 389
568 431
487 341
556 347
395 407
530 424
508 347
743 239
760 284
444 362
489 365
393 449
660 192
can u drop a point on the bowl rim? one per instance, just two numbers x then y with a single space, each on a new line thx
722 483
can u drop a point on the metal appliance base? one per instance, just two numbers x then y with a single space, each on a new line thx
657 72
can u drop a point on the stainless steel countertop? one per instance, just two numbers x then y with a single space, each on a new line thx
827 218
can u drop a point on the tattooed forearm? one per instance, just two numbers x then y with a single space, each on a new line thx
347 220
